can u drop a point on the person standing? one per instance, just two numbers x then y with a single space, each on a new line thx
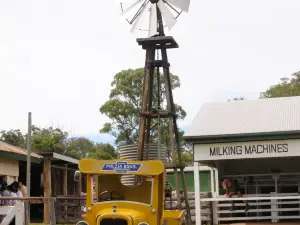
5 193
23 189
16 189
13 193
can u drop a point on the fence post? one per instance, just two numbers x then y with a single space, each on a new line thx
215 220
27 215
20 213
274 212
52 212
197 194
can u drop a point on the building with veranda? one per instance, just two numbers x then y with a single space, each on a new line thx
257 144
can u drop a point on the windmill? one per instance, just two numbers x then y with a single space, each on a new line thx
153 16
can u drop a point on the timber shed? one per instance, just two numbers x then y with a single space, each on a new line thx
257 144
58 181
52 175
11 160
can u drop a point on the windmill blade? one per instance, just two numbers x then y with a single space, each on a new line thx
131 6
153 21
181 4
138 19
166 14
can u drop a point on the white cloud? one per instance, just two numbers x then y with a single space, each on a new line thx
58 58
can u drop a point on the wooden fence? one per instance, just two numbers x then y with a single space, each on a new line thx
206 207
20 211
8 213
69 209
274 207
52 203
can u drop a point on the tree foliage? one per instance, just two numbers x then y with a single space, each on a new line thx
48 140
187 158
123 110
13 137
79 147
56 140
286 88
123 106
103 151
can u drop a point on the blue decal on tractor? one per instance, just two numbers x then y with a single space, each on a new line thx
121 167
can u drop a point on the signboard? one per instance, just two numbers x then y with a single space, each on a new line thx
246 150
121 167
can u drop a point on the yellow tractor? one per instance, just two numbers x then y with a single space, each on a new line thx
119 204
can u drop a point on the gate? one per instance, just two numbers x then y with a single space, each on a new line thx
16 212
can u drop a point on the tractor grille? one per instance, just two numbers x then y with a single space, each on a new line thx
113 222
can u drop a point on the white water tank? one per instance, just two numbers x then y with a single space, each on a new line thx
129 152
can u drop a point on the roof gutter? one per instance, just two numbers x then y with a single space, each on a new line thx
260 136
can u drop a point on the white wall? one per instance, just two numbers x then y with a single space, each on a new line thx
259 166
10 169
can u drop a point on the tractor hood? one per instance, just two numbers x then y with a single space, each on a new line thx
121 213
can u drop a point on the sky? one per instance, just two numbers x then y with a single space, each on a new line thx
58 57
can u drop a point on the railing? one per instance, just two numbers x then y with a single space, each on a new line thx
273 207
206 207
8 213
68 209
62 209
20 210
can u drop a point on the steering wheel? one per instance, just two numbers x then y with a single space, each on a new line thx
110 197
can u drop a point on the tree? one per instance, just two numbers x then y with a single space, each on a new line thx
79 147
108 148
48 140
56 140
103 151
286 88
123 106
187 158
13 137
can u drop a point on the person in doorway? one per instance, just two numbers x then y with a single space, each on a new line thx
23 189
13 193
5 193
232 188
17 190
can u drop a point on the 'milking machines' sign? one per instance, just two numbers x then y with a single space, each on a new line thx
121 167
240 150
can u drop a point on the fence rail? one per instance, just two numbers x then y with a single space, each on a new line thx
13 212
68 209
206 207
274 207
57 215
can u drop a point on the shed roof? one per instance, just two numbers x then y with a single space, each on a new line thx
59 159
13 150
246 117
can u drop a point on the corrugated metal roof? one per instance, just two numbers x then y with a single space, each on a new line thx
247 117
13 149
59 157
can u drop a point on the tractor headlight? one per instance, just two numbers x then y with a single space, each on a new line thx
143 223
82 223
